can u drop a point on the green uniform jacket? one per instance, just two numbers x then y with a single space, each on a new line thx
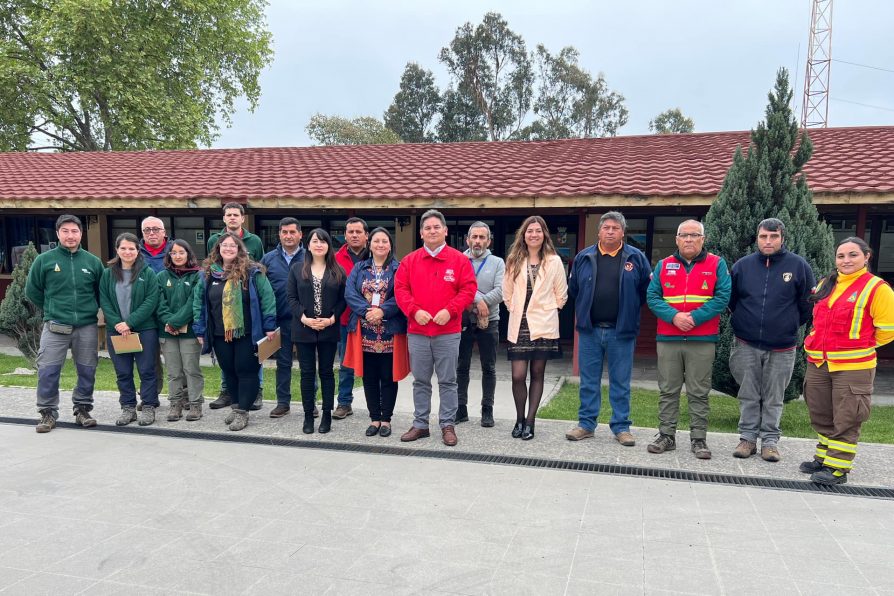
65 285
143 300
253 244
175 297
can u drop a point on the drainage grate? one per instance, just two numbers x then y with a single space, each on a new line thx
509 460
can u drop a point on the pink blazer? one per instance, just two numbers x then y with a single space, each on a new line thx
549 295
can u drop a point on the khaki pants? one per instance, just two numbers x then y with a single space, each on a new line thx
690 362
839 403
185 378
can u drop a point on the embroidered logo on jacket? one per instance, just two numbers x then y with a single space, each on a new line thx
628 266
671 265
448 275
853 297
786 277
704 285
56 268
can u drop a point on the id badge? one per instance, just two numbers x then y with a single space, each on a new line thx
376 299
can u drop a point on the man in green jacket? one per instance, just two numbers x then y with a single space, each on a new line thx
64 282
234 219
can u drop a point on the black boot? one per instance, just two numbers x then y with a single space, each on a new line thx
528 432
462 414
223 400
487 416
326 421
259 401
308 427
517 430
828 477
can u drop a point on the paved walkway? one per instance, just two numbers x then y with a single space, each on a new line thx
99 513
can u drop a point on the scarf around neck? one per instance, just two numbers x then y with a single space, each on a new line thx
234 324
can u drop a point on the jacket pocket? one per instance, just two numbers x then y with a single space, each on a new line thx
862 395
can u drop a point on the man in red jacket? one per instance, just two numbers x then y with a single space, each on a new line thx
433 286
353 251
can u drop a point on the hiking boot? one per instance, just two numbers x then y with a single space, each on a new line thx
745 449
487 416
83 417
700 448
342 412
662 443
230 417
462 414
240 420
47 422
828 477
810 467
128 415
175 412
259 401
223 400
147 416
577 433
625 438
770 453
279 411
195 412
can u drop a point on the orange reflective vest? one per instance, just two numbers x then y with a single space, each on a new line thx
844 333
689 291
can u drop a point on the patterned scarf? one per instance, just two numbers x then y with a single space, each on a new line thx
234 325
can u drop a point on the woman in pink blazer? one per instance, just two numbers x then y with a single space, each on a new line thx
534 289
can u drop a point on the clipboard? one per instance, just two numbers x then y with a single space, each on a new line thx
268 348
127 344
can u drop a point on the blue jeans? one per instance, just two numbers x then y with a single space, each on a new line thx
145 361
595 347
284 364
345 374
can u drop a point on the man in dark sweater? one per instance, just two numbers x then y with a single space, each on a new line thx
608 282
769 302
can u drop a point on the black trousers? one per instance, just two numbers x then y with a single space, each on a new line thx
239 365
308 355
379 385
487 350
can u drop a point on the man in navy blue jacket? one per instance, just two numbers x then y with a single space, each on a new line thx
279 261
608 282
769 302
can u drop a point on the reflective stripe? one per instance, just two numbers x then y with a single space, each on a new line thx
823 439
885 327
859 307
820 453
842 446
842 464
686 298
850 354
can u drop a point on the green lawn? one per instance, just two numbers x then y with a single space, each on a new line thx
105 378
724 415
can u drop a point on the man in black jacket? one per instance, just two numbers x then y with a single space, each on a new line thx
769 302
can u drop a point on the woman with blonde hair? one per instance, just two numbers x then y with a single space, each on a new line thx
534 289
234 309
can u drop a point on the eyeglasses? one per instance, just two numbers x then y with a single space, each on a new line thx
153 230
690 236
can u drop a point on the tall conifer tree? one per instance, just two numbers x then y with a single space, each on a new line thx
768 181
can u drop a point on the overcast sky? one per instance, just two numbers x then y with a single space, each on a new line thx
716 60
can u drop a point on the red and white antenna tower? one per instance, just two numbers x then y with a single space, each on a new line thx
819 61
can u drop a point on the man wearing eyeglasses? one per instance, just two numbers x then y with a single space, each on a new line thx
688 291
154 245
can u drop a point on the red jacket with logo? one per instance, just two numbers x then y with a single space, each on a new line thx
434 283
689 291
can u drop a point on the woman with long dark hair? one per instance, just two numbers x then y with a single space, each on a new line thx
176 287
853 314
379 324
128 296
317 298
234 309
534 289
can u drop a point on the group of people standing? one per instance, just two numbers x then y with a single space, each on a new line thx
385 318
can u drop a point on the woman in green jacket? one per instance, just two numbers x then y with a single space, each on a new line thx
176 285
128 296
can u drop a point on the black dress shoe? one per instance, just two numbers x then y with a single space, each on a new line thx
308 427
385 431
528 432
326 421
372 430
517 430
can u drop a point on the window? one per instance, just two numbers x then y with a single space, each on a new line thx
664 235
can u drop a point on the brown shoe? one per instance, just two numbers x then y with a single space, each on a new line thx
745 449
342 412
770 453
414 434
577 433
449 436
625 438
